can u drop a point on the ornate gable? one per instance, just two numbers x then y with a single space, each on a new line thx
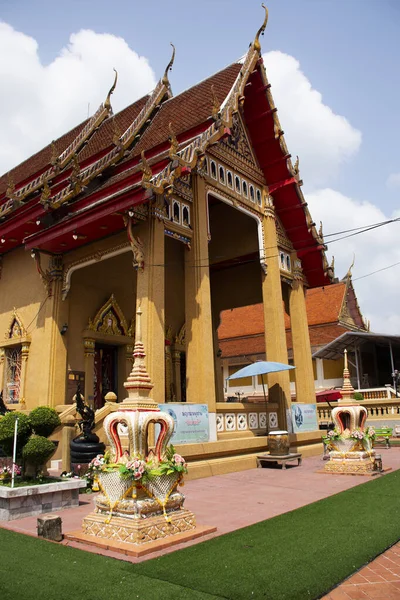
238 141
350 314
237 151
283 240
110 319
16 328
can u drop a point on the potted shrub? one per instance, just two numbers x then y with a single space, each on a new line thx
44 420
7 428
36 453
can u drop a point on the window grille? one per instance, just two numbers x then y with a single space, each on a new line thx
12 383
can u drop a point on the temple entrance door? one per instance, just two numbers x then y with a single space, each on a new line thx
105 372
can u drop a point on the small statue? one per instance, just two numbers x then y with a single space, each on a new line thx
87 422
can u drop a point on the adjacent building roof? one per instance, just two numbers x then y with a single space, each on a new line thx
331 311
348 339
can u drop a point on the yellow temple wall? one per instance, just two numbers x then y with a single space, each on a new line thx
91 287
22 288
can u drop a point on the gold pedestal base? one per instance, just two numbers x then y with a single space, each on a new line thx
357 466
138 531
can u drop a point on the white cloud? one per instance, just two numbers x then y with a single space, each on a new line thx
40 102
376 249
393 181
322 139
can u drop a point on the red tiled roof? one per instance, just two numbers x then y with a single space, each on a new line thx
322 305
242 329
241 346
186 111
189 109
102 139
39 161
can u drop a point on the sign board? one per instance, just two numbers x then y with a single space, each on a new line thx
191 422
304 417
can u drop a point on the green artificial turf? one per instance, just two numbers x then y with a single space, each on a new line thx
301 554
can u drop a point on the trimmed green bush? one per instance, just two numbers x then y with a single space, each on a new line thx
358 396
44 420
37 450
7 426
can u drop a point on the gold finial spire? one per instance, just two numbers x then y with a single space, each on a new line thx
348 274
347 390
146 169
256 43
139 383
165 79
174 142
216 106
321 230
107 103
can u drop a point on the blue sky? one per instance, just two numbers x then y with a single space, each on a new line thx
342 55
349 50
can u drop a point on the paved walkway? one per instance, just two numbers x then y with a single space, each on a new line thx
240 499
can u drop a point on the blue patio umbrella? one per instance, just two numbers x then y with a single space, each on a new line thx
261 367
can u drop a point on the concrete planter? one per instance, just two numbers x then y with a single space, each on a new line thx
33 500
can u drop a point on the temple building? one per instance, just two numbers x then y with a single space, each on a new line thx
331 311
184 205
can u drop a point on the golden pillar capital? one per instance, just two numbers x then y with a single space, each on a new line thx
89 346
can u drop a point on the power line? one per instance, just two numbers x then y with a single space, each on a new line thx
377 271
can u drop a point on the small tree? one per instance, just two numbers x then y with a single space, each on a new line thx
44 420
37 451
7 428
358 396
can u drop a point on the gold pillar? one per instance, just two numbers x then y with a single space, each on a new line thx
150 298
274 317
2 364
89 346
56 316
200 377
176 365
305 386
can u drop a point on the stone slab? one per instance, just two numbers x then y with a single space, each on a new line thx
26 501
137 551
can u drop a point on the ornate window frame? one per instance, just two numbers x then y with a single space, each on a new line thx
15 337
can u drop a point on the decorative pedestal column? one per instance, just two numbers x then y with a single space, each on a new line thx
139 502
350 443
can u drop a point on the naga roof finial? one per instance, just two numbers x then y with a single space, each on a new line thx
54 154
173 141
321 231
10 191
216 107
256 43
107 103
146 169
165 79
348 274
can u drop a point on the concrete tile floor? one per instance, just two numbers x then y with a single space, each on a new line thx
240 499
